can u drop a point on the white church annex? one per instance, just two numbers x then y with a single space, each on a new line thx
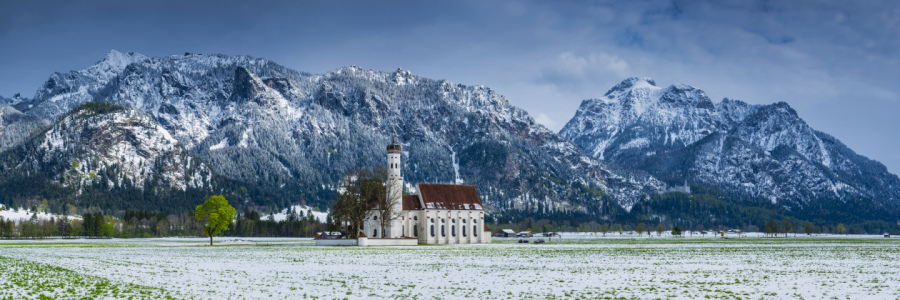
437 214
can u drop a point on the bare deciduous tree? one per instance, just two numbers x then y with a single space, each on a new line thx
353 206
389 203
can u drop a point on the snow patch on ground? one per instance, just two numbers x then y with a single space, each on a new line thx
301 211
635 143
23 214
220 145
455 166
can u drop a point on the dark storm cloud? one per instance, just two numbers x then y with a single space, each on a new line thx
836 62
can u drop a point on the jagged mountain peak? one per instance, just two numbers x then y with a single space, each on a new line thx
630 83
117 61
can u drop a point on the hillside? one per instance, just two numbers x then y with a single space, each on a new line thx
277 137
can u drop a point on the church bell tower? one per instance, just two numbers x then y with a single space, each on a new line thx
395 187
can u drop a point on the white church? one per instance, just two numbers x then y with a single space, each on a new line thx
437 214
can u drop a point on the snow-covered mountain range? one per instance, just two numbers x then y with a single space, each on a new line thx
159 133
756 151
289 135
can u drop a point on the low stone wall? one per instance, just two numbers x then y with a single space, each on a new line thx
393 242
335 242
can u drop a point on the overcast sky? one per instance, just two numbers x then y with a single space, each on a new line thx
836 62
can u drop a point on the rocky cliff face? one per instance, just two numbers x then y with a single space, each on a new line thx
16 127
756 151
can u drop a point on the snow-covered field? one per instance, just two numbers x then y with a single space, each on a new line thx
583 267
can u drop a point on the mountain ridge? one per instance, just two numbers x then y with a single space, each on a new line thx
260 124
753 150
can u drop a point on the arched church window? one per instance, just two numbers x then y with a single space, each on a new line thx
453 231
464 231
443 232
432 230
432 220
415 218
374 217
415 230
464 221
443 221
454 220
474 230
375 233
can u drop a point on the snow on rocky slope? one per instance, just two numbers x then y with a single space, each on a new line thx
677 133
16 127
259 123
118 146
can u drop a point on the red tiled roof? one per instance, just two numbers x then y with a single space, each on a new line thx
411 202
449 196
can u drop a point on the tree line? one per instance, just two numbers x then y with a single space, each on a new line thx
146 224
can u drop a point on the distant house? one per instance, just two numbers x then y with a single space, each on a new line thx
506 233
525 234
328 235
553 234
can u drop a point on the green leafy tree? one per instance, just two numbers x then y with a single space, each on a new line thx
603 229
216 213
639 228
108 230
771 227
808 228
840 229
787 226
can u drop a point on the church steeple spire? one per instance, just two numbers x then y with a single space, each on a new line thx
393 147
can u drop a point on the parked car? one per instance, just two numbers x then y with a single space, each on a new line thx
523 241
539 241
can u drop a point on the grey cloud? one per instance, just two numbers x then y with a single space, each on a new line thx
825 58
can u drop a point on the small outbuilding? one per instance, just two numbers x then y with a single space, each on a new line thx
887 234
506 233
525 234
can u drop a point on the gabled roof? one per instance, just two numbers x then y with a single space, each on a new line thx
411 202
449 196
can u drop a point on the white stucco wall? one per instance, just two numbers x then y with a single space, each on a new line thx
453 221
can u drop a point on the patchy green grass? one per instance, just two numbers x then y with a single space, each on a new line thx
21 279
